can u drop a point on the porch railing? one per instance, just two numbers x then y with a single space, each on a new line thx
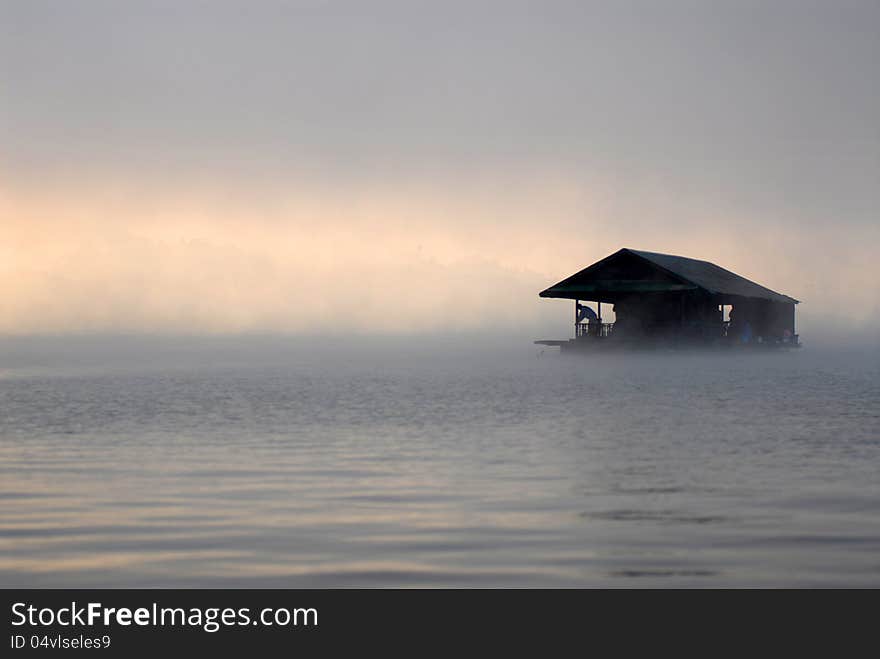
593 329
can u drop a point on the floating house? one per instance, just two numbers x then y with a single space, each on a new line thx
664 300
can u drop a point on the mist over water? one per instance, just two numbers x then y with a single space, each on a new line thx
443 461
350 174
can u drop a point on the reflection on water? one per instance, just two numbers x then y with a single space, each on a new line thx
452 466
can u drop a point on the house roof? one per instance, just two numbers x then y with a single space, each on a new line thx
669 273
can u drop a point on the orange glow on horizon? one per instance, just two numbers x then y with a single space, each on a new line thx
371 259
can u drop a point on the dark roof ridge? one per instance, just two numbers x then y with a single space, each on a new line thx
702 284
691 272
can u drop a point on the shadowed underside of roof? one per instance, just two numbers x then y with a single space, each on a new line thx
634 271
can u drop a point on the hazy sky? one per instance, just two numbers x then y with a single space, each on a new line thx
411 166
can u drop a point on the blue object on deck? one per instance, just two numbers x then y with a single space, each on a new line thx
586 313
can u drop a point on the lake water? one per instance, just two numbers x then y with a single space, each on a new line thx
274 463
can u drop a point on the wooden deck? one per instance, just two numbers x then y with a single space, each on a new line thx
591 343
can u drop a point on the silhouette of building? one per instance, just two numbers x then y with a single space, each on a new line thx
659 299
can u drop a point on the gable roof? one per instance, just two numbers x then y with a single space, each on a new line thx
682 274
